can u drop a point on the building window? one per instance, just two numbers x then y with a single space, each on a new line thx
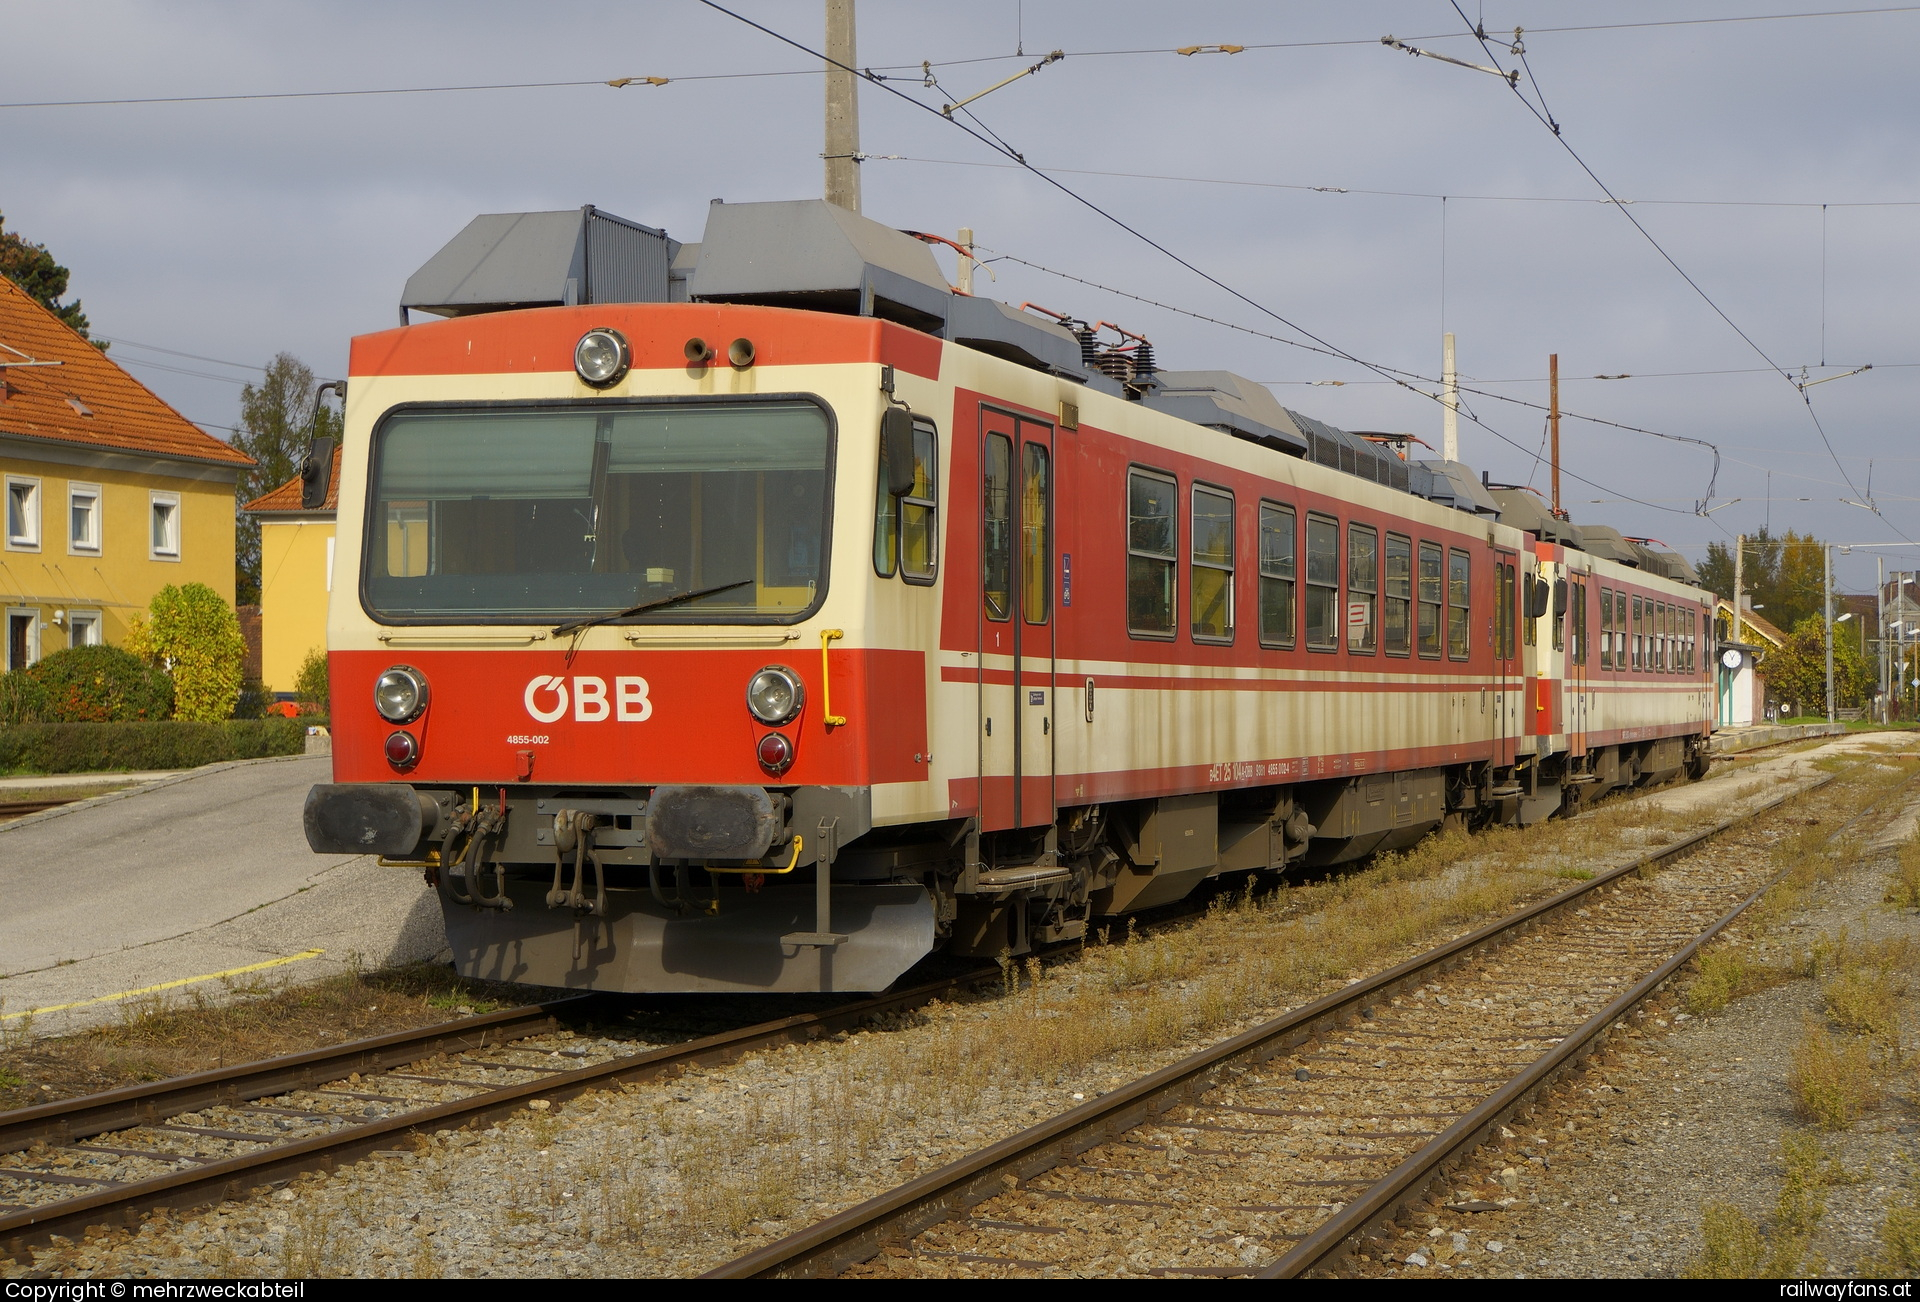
1150 559
1277 543
1210 584
83 519
164 509
904 530
1433 598
23 514
1459 585
1396 625
1323 583
83 628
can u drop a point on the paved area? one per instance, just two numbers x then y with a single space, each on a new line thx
202 874
49 781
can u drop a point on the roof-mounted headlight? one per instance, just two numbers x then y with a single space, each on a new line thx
774 695
602 357
400 694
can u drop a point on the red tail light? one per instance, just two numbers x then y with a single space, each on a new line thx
402 750
775 752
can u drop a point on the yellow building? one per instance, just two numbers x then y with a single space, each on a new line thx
296 576
110 494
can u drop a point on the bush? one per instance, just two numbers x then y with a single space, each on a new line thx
23 699
172 744
196 636
254 700
311 685
101 684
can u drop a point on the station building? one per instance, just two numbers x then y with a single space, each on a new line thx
109 493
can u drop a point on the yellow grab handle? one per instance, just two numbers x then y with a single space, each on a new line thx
826 692
798 843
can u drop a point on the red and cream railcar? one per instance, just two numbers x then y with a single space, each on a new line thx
723 646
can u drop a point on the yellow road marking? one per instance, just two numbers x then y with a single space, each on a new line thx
167 985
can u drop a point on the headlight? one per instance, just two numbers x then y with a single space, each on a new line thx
400 694
775 695
602 357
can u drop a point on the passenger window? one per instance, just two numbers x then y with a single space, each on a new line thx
996 543
1639 634
1036 550
1458 575
1503 610
1210 584
1363 588
1323 584
1277 544
1397 615
920 508
1433 598
1150 561
904 528
1529 626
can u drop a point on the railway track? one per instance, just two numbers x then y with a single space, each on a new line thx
108 1159
1272 1153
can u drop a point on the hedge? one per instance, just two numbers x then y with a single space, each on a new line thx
103 747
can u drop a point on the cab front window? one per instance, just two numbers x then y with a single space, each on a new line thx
553 512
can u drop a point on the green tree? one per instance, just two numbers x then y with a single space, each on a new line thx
277 418
31 267
1796 670
194 635
1784 575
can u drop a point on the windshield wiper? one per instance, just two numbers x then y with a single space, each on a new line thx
678 597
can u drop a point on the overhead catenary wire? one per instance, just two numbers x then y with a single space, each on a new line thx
1546 120
1405 194
1143 237
878 71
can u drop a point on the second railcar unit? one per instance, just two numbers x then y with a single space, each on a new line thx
777 615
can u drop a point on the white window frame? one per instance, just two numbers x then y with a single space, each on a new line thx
94 491
155 500
33 634
29 541
91 618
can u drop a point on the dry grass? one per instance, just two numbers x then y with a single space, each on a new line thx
1727 973
1832 1078
156 1038
1733 1246
1898 1254
1903 887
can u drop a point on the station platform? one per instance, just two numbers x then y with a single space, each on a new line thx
1731 741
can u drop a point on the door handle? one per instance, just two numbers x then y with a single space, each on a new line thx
1045 725
989 727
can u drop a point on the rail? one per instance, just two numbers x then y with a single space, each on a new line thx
861 1232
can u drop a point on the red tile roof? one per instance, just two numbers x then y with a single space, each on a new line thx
114 410
287 496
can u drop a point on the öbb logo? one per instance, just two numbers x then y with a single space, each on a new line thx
589 699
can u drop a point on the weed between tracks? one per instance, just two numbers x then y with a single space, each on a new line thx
792 1131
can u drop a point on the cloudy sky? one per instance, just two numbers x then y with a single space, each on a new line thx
1775 161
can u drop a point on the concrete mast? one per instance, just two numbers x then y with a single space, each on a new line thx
843 109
